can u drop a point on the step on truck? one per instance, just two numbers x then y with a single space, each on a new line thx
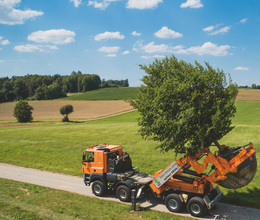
185 183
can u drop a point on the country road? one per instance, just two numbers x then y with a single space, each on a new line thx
76 185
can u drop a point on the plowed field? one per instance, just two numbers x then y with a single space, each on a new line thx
90 109
82 109
249 95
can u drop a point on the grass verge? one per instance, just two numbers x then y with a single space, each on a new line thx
26 201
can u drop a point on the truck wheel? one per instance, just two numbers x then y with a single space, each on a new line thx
174 203
98 188
123 193
196 207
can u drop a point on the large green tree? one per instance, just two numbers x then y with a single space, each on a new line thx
184 106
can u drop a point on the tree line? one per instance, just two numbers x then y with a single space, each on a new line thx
46 87
254 86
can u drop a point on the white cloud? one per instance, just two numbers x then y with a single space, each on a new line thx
76 2
136 34
111 55
52 47
211 28
155 56
221 31
241 68
101 4
137 45
2 61
159 56
243 21
126 52
167 33
55 36
109 35
30 48
143 4
5 42
152 48
192 4
106 49
163 48
146 57
10 15
209 48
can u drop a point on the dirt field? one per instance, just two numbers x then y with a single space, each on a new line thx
249 95
82 109
90 109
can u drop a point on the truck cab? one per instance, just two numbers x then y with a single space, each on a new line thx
108 167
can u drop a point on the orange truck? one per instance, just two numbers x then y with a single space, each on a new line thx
187 182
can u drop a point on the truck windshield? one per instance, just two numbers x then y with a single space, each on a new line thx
90 157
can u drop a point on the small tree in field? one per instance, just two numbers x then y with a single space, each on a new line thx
65 111
23 111
184 107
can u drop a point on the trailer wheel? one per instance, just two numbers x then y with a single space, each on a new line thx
123 193
196 207
98 188
173 203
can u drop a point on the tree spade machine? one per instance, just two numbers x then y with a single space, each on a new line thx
187 182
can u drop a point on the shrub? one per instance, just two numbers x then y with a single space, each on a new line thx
23 111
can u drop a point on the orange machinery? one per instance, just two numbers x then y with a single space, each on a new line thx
182 183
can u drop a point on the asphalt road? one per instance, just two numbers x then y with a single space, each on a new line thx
76 185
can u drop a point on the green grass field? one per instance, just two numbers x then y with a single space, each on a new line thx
59 147
117 93
27 201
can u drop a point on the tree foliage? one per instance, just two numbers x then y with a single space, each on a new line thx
184 106
23 111
65 111
114 83
44 87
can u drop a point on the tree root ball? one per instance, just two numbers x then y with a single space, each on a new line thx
244 175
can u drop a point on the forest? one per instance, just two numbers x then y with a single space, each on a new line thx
46 87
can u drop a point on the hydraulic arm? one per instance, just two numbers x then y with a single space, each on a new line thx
230 168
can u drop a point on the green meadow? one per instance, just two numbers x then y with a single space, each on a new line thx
26 201
114 93
59 147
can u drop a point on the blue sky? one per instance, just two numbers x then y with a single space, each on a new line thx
111 37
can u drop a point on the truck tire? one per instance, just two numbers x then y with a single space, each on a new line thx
123 193
196 207
98 188
173 203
